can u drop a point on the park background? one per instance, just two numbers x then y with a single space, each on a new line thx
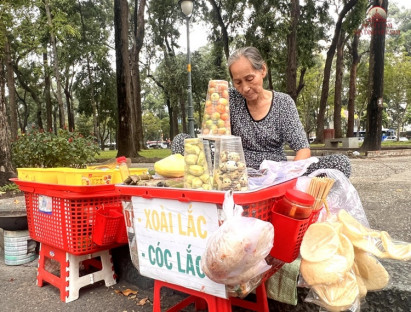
107 74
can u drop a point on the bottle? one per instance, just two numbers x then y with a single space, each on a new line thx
295 204
123 167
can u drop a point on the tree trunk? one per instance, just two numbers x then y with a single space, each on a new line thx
62 117
6 168
327 71
138 44
47 95
291 72
353 87
339 70
223 27
125 133
372 140
174 121
12 92
67 93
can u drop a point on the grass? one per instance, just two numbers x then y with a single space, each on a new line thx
161 153
150 153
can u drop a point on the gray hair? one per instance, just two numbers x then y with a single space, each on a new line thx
250 53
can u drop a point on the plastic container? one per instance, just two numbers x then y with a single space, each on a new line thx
216 120
84 177
197 164
123 167
295 204
109 225
41 175
19 248
230 170
64 216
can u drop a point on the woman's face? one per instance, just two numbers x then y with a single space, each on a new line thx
247 80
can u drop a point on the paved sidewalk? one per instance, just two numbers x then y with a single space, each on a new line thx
384 186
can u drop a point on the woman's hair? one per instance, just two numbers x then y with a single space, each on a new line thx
250 53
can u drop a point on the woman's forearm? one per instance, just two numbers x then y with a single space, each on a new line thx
302 154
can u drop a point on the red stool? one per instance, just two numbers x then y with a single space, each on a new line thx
214 304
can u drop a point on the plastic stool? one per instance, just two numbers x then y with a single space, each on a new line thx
69 282
215 304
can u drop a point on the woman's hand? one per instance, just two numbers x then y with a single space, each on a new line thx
303 153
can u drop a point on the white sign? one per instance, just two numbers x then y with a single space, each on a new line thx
171 238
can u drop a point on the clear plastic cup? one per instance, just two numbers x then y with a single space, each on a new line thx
230 170
197 164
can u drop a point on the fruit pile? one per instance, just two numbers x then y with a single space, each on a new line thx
197 174
216 119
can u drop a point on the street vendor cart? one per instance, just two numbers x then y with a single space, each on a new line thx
168 229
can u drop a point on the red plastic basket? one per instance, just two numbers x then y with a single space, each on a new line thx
255 203
64 216
121 236
288 235
107 225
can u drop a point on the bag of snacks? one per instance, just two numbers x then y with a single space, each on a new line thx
235 253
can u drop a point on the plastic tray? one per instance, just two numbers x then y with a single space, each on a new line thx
72 176
41 175
64 216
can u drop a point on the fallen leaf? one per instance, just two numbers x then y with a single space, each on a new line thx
127 292
117 291
142 301
16 201
132 297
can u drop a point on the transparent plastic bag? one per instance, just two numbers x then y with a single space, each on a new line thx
235 253
273 172
343 195
343 295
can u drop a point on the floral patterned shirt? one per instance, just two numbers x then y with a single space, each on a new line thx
265 138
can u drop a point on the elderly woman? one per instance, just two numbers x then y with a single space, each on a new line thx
267 120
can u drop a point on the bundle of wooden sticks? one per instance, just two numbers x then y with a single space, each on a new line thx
319 188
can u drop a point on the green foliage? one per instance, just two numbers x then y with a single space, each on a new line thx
151 126
46 149
9 188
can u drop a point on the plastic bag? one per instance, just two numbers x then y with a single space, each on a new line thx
340 296
343 195
273 172
235 253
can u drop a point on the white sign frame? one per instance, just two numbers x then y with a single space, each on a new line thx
171 238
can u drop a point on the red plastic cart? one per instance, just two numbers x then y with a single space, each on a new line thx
256 203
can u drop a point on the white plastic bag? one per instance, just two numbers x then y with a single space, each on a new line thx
273 172
235 253
342 195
